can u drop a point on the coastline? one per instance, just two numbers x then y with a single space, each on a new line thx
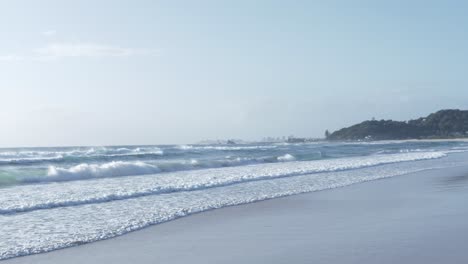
414 218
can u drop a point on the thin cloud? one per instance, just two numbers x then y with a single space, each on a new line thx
11 57
77 50
49 33
61 50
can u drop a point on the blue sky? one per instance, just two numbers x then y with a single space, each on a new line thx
152 72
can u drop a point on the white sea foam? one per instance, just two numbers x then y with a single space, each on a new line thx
29 159
32 197
111 169
226 148
30 156
286 157
133 168
70 226
184 147
120 168
87 195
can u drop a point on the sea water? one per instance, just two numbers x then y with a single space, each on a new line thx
51 198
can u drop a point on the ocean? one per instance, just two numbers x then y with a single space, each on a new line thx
52 198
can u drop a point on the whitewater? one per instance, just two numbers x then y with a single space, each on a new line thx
52 198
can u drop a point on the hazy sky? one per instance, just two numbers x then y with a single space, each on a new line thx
151 72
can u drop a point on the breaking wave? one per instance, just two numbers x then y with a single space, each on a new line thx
137 186
287 157
225 148
29 157
111 169
53 198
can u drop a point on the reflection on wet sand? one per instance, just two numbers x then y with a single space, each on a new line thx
453 182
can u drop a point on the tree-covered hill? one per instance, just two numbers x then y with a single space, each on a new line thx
442 124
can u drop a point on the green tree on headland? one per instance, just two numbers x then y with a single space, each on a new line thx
442 124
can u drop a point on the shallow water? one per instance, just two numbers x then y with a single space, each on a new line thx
60 197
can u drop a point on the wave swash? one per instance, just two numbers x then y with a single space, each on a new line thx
94 193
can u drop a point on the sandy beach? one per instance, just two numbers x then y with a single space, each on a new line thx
415 218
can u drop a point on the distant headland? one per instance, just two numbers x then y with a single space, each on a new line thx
443 124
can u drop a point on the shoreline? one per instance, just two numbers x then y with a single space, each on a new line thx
405 218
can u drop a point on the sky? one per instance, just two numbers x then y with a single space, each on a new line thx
116 72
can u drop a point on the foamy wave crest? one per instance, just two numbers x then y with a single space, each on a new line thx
184 147
29 160
111 169
114 152
38 156
33 197
287 157
225 148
